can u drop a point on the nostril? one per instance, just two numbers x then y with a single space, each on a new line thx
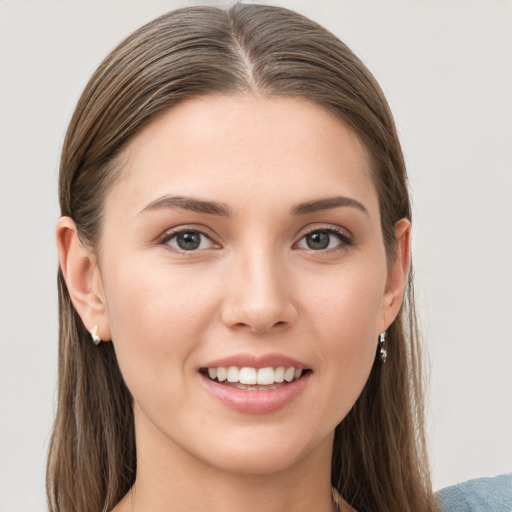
260 327
258 315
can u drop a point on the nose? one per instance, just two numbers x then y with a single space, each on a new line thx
258 294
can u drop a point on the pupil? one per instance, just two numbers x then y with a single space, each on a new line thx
189 241
318 240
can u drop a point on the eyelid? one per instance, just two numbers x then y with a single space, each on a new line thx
319 226
346 238
172 232
344 235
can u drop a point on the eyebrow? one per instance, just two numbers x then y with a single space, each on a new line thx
189 203
223 210
327 204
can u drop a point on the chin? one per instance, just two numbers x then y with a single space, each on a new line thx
265 453
256 462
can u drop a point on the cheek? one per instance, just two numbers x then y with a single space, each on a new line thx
345 329
160 298
154 318
348 305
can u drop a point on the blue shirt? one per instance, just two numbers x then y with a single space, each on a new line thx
478 495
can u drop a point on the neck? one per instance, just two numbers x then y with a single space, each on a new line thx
275 494
170 478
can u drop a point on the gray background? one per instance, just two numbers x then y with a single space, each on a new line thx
446 67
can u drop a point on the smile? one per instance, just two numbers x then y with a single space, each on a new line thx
254 379
255 389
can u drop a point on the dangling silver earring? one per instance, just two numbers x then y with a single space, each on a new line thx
383 351
95 338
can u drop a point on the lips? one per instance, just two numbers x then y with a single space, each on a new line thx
255 384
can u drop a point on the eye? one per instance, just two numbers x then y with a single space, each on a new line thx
188 240
323 239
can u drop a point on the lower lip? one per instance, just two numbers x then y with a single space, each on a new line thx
256 402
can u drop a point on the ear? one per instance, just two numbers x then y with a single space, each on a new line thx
83 279
398 273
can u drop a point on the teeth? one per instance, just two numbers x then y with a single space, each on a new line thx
279 377
247 376
233 374
266 376
222 374
289 374
245 387
255 377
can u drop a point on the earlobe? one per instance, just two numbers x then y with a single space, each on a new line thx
398 273
80 270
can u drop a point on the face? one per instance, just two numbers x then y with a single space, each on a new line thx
243 232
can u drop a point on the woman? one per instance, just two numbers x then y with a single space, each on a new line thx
234 248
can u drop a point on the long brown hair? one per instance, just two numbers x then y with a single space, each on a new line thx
379 458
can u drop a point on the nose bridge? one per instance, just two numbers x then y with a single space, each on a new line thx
258 295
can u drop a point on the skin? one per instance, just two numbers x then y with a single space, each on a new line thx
253 286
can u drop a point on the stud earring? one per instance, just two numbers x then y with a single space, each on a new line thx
382 350
95 338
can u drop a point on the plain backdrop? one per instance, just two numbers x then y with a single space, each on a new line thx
446 67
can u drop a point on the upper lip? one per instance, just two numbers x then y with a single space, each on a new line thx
256 361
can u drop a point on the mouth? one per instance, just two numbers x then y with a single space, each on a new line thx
254 379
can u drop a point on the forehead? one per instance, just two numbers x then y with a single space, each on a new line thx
240 147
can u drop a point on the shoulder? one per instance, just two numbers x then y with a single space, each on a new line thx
478 495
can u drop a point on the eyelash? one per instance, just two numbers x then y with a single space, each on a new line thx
344 238
169 235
